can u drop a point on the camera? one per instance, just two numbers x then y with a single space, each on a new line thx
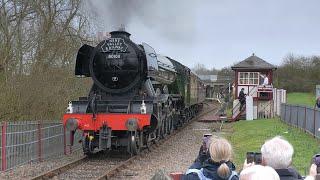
206 142
254 157
316 161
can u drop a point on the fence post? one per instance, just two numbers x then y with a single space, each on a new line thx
297 125
4 146
314 123
285 112
305 119
64 140
39 142
290 107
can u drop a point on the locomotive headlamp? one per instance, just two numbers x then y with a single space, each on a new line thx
72 124
132 124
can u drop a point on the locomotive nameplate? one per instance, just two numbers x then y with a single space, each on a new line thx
114 44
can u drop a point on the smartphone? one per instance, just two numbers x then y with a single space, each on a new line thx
257 158
250 157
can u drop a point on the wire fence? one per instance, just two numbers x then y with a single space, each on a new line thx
303 117
28 141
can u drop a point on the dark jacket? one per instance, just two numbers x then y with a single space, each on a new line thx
288 174
317 103
242 96
209 170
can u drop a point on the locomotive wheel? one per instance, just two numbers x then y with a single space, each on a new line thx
134 143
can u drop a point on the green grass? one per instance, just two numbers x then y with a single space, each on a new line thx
250 135
301 98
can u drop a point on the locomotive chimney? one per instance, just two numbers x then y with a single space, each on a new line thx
122 28
121 32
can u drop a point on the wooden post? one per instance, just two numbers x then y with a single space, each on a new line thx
4 146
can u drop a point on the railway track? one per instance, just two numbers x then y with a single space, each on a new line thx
104 166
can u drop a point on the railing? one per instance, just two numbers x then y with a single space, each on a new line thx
303 117
29 141
236 110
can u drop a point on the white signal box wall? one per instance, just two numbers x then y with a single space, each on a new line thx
249 108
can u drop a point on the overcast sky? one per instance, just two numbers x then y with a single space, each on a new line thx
218 33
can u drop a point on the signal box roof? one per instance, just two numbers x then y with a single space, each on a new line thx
253 62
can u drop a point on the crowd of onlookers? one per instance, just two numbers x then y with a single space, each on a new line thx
215 162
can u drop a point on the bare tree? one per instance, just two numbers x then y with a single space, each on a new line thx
38 43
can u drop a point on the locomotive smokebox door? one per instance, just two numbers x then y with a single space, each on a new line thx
105 138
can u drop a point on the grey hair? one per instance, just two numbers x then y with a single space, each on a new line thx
258 172
277 153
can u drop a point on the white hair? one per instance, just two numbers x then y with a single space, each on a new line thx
258 172
277 153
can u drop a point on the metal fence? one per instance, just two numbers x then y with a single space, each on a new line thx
303 117
29 141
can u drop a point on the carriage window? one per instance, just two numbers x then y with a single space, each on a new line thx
248 78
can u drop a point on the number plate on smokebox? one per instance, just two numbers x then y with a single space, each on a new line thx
114 56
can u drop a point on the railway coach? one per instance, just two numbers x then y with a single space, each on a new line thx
137 96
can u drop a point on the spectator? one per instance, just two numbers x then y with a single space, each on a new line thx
317 104
218 166
265 79
277 153
258 172
242 98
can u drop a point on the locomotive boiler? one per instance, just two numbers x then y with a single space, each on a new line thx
137 96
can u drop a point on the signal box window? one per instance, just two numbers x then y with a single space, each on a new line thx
248 78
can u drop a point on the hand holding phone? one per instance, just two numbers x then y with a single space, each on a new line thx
250 157
206 142
316 161
254 157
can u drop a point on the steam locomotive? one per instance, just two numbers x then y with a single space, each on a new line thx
137 97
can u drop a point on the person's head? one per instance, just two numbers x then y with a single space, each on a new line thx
258 172
242 89
277 153
221 152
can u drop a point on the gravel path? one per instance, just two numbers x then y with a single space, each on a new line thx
175 155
